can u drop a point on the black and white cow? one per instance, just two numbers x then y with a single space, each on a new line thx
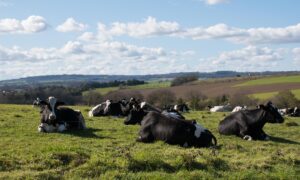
156 126
167 112
178 107
107 108
58 119
248 124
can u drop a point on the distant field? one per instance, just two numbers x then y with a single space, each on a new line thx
107 150
269 95
271 80
150 85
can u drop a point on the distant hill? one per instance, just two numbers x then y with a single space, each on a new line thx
77 79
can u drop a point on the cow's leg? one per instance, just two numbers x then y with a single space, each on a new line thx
81 121
263 136
244 131
145 135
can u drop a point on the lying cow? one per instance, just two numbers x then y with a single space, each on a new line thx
169 112
107 108
248 124
238 108
58 119
225 108
156 126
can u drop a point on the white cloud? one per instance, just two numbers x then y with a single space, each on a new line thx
153 28
71 25
214 2
32 24
296 55
75 57
250 58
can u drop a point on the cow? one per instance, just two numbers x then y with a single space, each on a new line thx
182 108
143 108
296 112
108 108
58 119
157 126
225 108
178 107
238 108
248 124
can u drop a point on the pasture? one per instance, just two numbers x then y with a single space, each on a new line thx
107 150
269 95
272 80
149 85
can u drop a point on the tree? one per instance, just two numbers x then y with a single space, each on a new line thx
285 99
92 98
161 98
197 100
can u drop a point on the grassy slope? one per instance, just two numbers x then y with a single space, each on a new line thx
150 85
268 95
108 150
272 80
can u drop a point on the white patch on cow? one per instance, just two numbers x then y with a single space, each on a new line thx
247 137
44 127
94 109
143 104
185 144
199 130
61 128
52 102
176 107
107 102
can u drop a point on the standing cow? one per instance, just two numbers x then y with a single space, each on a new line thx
248 124
58 119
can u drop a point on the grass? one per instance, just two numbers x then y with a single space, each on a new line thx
150 85
107 150
271 80
269 95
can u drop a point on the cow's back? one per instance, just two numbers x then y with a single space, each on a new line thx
170 130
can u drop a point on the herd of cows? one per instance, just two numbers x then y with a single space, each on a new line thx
168 124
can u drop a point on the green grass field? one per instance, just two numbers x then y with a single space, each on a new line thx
269 95
150 85
271 80
107 150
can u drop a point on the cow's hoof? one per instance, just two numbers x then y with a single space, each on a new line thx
185 144
267 138
139 139
247 137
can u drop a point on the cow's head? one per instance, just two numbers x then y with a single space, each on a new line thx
273 116
135 116
49 120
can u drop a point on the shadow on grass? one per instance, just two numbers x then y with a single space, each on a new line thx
87 133
282 140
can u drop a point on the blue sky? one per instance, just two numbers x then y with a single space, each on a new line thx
147 37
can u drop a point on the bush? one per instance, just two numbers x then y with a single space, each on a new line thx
161 98
197 100
240 99
92 98
285 99
183 79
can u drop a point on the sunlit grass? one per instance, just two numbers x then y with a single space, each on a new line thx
107 150
271 80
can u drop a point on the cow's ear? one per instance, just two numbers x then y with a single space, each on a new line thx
59 103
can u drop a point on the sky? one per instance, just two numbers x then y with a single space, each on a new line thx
136 37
